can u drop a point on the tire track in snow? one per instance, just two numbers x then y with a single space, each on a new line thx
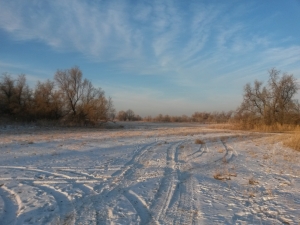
119 176
211 163
183 208
197 153
196 204
62 199
180 212
126 180
89 176
66 208
36 170
133 160
63 178
229 152
121 180
139 205
136 162
167 186
55 180
12 205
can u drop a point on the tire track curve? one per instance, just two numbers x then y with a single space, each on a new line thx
167 186
12 205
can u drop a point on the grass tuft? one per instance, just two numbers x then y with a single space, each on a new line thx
252 181
199 142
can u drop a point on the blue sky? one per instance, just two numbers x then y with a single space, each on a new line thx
170 57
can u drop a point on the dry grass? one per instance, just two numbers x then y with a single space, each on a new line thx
220 176
266 156
252 181
269 192
221 150
251 194
224 173
229 126
276 128
293 141
290 137
198 141
224 176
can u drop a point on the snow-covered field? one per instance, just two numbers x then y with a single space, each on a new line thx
146 174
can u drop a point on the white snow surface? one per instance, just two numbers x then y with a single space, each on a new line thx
146 173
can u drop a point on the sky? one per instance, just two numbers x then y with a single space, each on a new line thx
167 56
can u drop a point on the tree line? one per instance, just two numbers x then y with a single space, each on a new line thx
200 117
273 103
69 98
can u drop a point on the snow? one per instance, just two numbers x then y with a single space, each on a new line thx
146 173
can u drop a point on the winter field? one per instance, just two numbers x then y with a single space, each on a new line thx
146 174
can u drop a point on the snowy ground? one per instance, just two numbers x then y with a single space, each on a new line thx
146 174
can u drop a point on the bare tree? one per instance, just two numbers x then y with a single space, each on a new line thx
82 100
74 99
72 86
282 91
95 106
272 103
7 86
256 100
122 116
16 96
130 115
47 101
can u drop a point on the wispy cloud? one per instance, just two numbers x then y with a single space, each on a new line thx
101 32
157 31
